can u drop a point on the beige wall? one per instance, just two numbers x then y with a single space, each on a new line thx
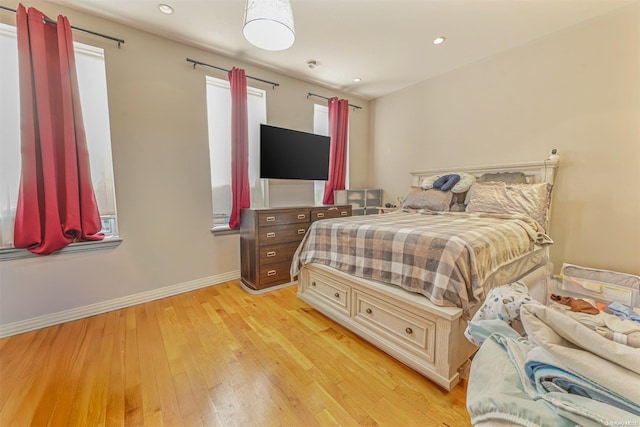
161 165
577 90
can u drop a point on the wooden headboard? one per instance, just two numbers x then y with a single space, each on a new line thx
544 171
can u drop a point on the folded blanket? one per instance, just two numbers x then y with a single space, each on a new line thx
511 396
494 398
623 312
578 374
549 376
569 343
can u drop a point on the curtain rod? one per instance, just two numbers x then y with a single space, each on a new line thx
273 84
329 99
49 21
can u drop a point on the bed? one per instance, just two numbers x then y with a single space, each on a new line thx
376 275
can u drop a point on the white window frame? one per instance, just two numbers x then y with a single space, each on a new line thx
321 127
93 94
219 125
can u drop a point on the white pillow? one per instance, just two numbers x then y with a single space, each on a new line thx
427 182
462 186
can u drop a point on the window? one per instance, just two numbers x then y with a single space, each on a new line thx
92 82
321 127
219 119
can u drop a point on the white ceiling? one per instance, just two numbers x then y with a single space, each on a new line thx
385 42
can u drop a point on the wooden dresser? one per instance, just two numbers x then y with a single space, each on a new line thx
269 238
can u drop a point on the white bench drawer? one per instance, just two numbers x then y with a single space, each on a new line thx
393 323
334 294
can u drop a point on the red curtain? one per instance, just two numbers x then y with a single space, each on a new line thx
339 133
56 203
239 146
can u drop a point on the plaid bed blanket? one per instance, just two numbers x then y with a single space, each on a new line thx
445 256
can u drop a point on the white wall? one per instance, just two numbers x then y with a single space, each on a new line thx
577 90
159 135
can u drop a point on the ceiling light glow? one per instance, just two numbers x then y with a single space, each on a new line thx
439 40
165 8
357 80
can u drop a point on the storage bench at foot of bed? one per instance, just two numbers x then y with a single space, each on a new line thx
405 325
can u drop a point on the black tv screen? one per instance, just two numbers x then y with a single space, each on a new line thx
292 154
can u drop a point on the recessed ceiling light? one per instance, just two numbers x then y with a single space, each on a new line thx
357 80
165 8
439 40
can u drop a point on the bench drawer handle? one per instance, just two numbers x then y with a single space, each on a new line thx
302 216
271 218
271 234
301 231
344 213
320 215
271 273
271 254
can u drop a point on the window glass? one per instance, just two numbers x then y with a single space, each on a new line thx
320 127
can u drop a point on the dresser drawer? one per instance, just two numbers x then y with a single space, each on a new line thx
281 233
388 321
283 217
275 273
271 254
325 213
331 293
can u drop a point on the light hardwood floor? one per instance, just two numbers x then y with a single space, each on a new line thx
217 356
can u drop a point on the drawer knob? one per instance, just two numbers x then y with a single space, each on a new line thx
344 213
271 218
313 283
409 330
271 254
301 231
320 215
337 295
271 234
302 216
369 311
271 273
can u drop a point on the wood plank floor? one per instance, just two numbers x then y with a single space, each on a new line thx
217 356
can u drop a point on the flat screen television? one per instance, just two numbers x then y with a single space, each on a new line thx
292 154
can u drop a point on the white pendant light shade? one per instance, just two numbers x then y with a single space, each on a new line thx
268 24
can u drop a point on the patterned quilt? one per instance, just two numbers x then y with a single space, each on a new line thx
445 256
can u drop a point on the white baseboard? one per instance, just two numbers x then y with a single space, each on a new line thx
114 304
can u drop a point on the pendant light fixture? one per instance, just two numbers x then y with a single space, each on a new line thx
268 24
